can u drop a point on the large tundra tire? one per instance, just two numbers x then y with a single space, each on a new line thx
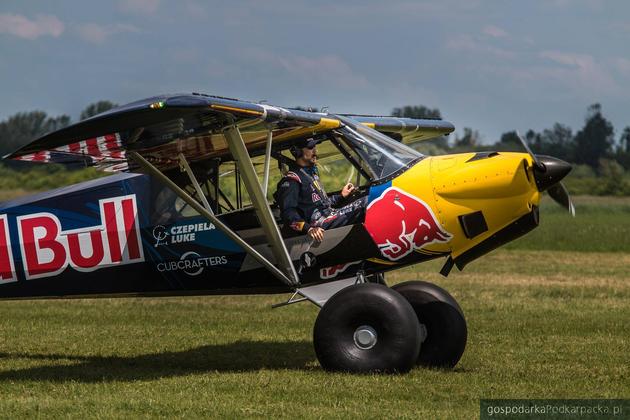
441 320
367 328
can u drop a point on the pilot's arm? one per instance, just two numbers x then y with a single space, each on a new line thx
288 194
345 192
334 199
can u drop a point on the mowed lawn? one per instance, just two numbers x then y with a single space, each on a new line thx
542 324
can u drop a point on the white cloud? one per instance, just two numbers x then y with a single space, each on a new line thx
623 65
569 59
326 69
582 68
23 27
580 73
494 31
98 34
559 3
621 26
196 10
564 4
140 7
467 43
416 11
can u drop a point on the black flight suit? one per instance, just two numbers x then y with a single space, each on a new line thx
304 203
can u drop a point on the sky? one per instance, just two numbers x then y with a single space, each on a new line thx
494 66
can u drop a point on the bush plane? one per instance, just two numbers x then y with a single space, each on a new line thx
174 219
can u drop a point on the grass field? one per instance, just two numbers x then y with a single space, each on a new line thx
542 324
601 224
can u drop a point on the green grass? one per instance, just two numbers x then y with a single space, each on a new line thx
547 317
541 324
601 224
39 177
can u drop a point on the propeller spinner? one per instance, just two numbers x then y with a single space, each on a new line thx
548 172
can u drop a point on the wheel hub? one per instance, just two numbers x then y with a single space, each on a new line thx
423 332
365 337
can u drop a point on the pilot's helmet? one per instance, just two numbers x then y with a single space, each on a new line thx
305 143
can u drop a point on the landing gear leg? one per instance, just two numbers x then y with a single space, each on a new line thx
378 278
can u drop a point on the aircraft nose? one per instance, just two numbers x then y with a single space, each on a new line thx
553 170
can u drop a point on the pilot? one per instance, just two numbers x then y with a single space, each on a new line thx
304 205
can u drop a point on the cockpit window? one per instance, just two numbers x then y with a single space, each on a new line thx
378 154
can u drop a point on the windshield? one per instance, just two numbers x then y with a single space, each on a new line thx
378 155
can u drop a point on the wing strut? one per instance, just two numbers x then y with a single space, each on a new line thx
267 161
151 169
183 163
259 200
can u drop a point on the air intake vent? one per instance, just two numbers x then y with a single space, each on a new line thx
482 155
473 224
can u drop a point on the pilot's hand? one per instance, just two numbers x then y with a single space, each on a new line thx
347 190
316 233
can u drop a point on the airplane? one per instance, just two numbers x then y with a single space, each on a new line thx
173 219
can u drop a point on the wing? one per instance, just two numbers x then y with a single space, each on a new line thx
161 127
409 130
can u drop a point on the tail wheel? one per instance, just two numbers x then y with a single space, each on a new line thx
441 318
367 328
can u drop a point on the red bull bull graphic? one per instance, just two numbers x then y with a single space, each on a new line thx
47 249
332 272
400 223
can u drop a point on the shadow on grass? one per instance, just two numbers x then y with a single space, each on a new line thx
233 357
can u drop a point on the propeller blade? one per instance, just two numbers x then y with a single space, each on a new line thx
548 176
537 162
560 195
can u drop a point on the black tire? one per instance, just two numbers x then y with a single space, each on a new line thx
443 319
356 309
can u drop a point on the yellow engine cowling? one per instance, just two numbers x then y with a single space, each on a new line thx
499 185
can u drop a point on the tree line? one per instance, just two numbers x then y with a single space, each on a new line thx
594 142
601 162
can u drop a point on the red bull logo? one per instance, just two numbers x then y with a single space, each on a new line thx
400 223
